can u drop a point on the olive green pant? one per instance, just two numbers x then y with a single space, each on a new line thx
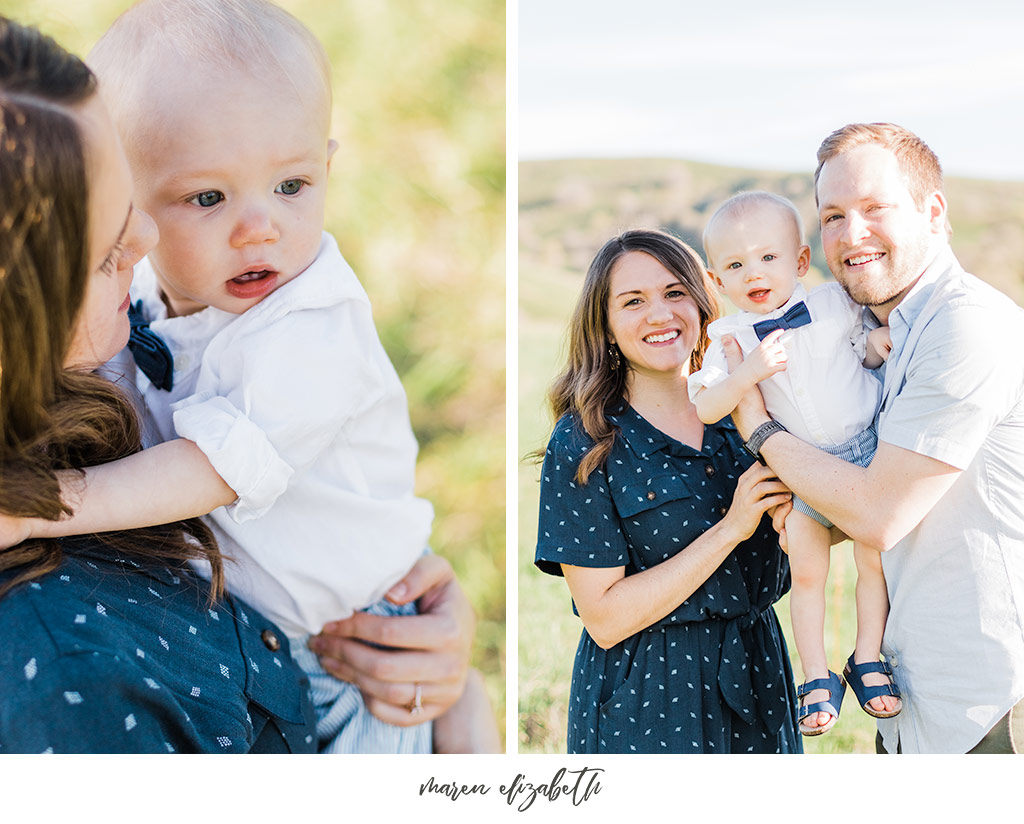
1006 737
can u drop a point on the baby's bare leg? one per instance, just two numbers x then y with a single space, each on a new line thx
872 611
808 563
469 726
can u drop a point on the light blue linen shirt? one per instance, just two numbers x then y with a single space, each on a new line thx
954 391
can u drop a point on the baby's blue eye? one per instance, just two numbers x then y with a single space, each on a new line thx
289 187
733 265
207 199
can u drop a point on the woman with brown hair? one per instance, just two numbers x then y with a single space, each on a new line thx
658 524
112 644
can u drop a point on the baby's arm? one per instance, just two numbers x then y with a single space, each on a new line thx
169 482
878 348
715 402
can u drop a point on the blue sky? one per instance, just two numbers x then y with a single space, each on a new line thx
759 84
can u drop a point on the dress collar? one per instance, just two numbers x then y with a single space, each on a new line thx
644 439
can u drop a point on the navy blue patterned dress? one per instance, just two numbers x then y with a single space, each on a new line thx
714 674
106 655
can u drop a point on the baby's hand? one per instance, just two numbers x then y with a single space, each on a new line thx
881 341
878 348
769 358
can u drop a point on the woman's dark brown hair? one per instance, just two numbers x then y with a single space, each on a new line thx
53 418
594 381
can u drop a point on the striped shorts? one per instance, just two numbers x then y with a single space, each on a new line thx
344 725
859 450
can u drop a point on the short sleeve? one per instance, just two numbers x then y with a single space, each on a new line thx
91 702
714 369
964 377
272 398
578 523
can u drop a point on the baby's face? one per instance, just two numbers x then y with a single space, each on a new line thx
235 176
755 255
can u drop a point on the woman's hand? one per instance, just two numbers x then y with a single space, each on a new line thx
429 650
779 514
757 492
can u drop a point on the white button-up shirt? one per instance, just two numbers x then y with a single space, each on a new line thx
825 396
300 411
954 391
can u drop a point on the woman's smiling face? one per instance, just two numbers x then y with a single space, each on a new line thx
651 316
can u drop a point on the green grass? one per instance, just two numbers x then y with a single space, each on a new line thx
417 202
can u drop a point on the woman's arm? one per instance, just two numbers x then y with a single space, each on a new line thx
614 606
168 482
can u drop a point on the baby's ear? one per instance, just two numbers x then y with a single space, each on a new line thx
716 279
332 147
803 261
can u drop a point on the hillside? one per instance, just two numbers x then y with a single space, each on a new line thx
568 208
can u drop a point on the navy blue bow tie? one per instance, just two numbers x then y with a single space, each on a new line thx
149 350
796 315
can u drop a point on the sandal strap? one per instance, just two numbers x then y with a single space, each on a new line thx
832 683
865 693
820 706
871 666
854 677
836 690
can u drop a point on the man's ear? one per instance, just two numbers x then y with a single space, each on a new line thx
936 210
803 260
332 147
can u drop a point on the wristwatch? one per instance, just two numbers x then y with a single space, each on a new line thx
760 435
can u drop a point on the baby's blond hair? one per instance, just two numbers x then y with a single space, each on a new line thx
741 201
253 36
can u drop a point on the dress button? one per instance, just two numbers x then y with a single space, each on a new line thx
270 640
650 496
709 470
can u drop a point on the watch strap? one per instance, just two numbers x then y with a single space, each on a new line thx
757 438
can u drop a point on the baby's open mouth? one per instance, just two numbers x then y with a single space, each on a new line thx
251 276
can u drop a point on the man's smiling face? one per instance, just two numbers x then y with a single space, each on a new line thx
875 238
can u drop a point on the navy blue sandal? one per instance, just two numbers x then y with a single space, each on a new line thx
836 690
854 674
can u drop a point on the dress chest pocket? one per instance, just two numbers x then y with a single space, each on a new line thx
654 511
